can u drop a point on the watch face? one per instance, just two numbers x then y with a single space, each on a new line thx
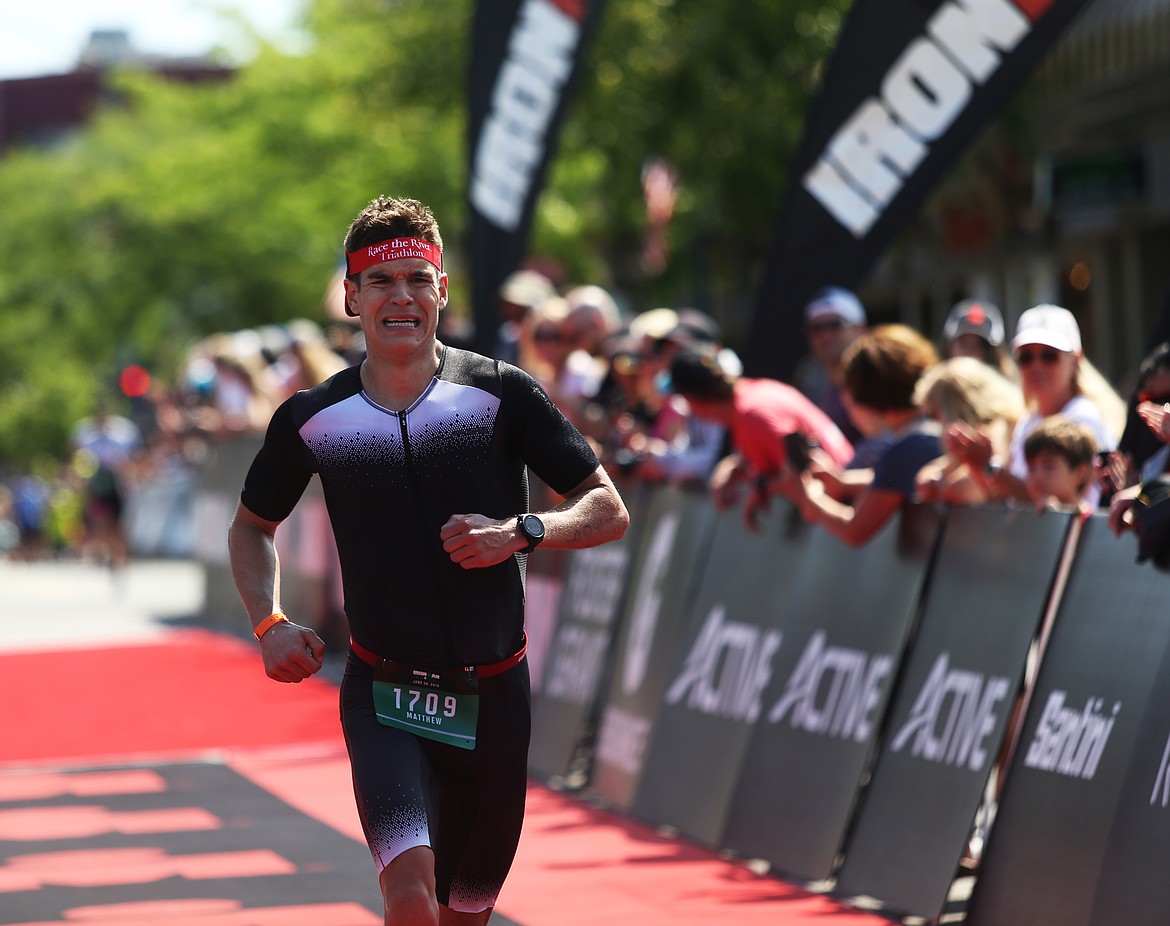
533 527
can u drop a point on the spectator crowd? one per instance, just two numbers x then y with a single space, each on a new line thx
874 417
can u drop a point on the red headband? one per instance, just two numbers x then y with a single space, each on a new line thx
395 249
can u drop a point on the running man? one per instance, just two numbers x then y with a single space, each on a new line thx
422 451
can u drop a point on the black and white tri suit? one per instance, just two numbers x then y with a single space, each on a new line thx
391 480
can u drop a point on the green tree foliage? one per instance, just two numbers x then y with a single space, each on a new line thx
186 209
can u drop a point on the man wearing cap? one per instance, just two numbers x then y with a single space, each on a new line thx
833 318
974 328
422 452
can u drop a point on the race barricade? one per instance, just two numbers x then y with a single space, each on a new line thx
769 606
662 581
986 598
564 712
839 713
846 615
1084 809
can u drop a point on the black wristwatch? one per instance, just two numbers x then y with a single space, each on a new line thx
532 528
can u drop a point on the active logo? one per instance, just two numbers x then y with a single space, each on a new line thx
871 157
953 716
834 690
727 669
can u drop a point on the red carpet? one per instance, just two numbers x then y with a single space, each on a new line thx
197 691
198 695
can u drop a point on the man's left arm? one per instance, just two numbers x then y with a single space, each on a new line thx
591 514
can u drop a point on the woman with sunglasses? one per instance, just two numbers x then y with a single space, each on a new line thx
1056 379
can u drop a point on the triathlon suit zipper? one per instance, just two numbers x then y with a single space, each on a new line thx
445 616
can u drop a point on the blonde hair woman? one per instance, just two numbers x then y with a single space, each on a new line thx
968 390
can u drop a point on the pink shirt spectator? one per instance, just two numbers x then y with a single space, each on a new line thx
766 410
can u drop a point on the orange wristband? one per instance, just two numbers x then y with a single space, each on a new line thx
277 617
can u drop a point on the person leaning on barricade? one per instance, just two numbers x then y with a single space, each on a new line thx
881 370
759 414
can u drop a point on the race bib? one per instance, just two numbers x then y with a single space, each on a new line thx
438 705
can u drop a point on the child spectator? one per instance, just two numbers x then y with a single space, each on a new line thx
1059 453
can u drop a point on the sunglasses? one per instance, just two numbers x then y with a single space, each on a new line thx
829 324
549 335
1048 357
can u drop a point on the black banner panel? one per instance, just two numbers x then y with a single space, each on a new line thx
987 596
721 690
909 86
830 683
1133 889
544 582
662 584
1083 729
715 692
525 56
578 661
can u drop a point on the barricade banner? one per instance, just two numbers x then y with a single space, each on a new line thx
715 692
984 603
845 614
525 56
662 582
1133 889
579 659
1083 729
909 86
544 582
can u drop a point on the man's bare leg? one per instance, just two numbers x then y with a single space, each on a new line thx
408 889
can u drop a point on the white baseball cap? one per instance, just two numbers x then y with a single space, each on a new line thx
1049 325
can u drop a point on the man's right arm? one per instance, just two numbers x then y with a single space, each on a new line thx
290 652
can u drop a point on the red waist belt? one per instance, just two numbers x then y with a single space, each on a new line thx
487 671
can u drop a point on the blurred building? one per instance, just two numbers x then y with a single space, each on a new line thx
1065 198
42 111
